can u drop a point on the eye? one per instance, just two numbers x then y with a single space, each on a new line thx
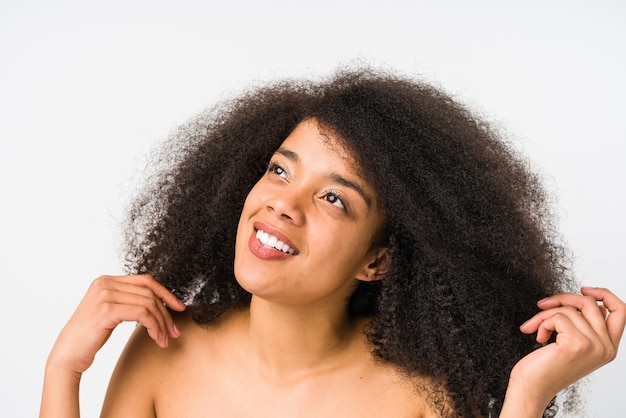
334 199
276 169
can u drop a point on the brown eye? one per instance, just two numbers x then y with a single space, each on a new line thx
276 169
335 200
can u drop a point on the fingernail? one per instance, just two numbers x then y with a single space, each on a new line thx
176 330
542 301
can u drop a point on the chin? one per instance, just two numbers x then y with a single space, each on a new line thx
251 279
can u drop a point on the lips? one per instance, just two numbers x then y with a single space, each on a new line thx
273 242
268 243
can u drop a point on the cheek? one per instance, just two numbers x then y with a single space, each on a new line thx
251 204
254 197
340 248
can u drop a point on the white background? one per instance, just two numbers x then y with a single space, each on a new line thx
87 90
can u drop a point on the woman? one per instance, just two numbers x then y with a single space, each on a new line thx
362 246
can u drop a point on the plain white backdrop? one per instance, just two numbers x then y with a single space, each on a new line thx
87 90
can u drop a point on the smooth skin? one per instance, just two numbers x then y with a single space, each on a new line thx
589 328
108 302
296 351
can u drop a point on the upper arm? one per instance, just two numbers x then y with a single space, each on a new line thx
133 383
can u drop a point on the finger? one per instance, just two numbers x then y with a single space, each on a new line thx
143 280
573 347
139 290
586 305
113 290
148 311
561 323
142 315
541 321
143 285
616 320
159 290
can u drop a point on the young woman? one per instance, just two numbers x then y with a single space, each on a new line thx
358 247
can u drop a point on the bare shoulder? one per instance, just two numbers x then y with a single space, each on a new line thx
402 395
130 372
145 372
390 391
206 372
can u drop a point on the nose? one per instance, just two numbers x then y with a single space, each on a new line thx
288 205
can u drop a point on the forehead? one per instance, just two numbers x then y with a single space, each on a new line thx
311 139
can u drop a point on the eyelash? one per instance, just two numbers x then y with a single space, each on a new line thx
276 169
338 198
273 167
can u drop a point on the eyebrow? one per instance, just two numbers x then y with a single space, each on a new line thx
333 176
354 186
289 154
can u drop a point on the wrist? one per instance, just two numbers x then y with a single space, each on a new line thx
521 401
61 369
60 392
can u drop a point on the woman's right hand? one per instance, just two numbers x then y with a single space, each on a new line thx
109 301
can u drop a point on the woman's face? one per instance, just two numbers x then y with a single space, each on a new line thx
306 230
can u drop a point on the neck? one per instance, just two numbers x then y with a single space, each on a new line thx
290 342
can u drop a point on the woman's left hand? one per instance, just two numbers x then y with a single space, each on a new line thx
589 328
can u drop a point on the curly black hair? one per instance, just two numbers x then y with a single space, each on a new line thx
471 241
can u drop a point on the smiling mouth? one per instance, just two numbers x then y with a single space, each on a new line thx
271 241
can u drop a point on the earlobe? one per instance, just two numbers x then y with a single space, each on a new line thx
376 267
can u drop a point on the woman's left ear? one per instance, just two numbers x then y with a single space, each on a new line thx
376 265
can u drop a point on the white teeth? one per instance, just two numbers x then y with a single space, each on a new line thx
273 242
